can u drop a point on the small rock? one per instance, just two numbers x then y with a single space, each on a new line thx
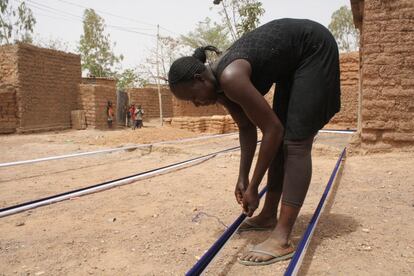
195 209
40 273
366 248
365 230
155 215
20 223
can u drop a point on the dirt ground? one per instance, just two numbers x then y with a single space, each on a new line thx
162 225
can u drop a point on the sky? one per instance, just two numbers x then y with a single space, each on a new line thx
132 25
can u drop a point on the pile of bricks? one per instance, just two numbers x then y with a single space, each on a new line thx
216 124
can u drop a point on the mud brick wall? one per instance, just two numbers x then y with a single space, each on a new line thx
48 88
8 88
347 117
387 73
148 99
185 108
93 99
99 81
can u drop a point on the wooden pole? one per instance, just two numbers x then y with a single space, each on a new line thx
158 75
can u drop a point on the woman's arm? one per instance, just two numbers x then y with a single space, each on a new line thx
248 142
235 80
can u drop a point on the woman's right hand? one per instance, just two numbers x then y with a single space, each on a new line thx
241 186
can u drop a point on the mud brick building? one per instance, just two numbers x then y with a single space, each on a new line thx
94 94
38 88
148 98
347 117
171 107
386 98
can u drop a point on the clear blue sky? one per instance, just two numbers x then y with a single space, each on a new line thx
62 19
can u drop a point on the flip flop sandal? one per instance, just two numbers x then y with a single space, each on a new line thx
250 226
276 258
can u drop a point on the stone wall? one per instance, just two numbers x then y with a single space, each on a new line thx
8 88
387 73
48 88
347 117
93 99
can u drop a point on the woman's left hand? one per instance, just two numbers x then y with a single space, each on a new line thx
250 201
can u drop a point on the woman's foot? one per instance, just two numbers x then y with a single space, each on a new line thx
258 223
270 251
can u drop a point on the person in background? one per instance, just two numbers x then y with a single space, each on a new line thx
110 114
139 112
127 115
132 118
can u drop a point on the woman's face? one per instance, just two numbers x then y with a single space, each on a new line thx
201 91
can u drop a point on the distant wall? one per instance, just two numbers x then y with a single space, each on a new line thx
93 99
148 99
8 89
347 118
48 88
185 108
38 88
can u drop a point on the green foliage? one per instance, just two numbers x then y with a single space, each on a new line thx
207 33
127 79
343 29
250 12
16 23
95 47
240 16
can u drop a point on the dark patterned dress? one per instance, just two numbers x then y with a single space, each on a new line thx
301 57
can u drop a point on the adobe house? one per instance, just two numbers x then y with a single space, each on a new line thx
94 94
38 88
386 89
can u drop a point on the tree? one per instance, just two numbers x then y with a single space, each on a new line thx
207 33
343 29
16 24
169 50
127 79
240 16
95 47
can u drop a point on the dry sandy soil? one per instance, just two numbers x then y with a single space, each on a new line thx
162 225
